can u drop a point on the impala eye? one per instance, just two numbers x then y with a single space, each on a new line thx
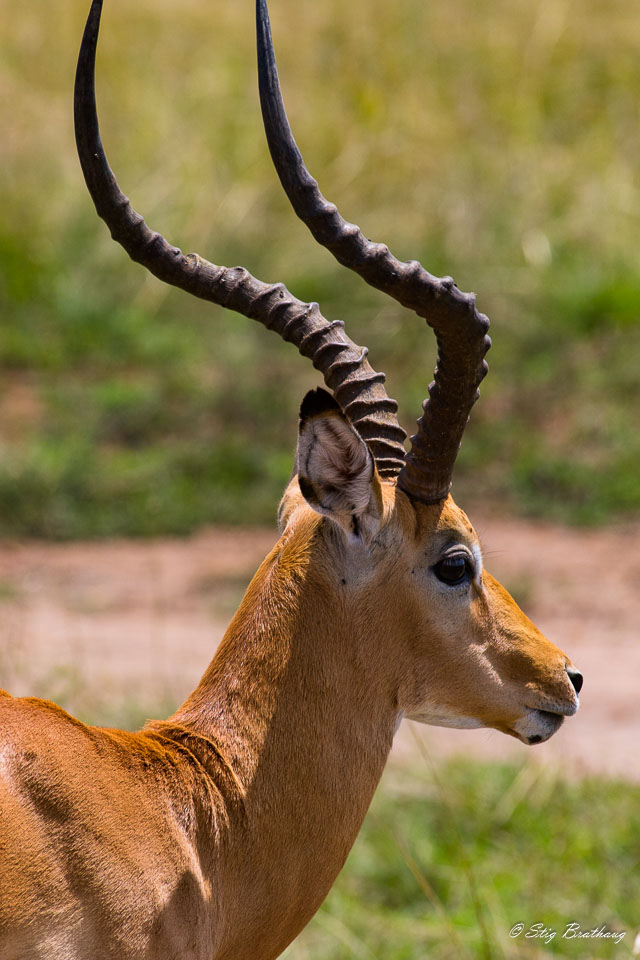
454 570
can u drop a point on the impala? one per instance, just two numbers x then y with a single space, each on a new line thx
216 834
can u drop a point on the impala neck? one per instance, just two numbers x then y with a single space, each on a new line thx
302 707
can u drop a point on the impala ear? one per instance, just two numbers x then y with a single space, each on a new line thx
336 471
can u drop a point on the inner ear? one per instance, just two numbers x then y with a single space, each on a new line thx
336 471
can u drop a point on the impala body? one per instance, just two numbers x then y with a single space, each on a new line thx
216 834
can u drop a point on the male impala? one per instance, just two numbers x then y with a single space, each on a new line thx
218 833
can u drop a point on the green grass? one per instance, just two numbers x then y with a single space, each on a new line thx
446 866
496 141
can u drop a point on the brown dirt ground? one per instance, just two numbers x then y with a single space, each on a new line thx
119 627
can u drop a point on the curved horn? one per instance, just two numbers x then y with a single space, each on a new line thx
461 332
357 387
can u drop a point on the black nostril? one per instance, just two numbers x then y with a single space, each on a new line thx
576 678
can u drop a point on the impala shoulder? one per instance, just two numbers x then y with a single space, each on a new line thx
179 745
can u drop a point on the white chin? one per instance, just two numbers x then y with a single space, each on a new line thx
435 719
537 726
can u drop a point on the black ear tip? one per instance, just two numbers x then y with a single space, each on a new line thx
316 403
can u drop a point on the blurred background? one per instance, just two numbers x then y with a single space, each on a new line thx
494 140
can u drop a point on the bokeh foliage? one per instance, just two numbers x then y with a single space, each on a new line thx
496 140
449 867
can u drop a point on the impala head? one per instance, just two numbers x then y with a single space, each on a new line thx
413 574
396 546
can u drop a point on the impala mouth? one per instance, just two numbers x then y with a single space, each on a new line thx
536 726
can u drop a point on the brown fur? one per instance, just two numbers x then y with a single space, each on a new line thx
218 833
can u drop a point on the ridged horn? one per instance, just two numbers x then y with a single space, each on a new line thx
461 332
356 386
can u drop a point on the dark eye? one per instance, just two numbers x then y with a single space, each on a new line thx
454 570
